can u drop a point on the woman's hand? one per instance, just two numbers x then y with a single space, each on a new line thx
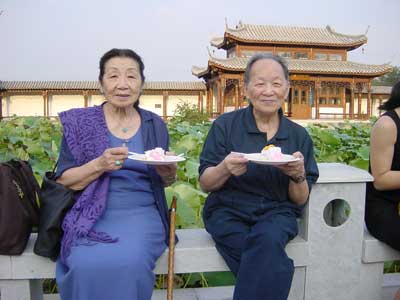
294 169
167 172
235 163
112 159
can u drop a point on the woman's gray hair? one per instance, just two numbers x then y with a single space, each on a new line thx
261 56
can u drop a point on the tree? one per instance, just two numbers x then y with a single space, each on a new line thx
388 79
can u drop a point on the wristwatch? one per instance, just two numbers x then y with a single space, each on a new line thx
298 179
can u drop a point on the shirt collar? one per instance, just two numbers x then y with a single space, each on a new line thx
251 126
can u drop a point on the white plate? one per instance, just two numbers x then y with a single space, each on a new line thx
169 159
259 159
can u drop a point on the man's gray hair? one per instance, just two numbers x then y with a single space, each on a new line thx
261 56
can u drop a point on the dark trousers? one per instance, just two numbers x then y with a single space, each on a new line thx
251 236
383 221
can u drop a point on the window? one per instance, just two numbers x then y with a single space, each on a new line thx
335 57
295 97
299 96
330 95
157 105
250 53
321 56
285 54
301 55
303 97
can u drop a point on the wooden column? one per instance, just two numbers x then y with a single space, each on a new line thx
209 98
165 103
241 92
218 98
369 101
200 102
359 102
343 100
316 94
352 100
1 107
45 103
223 87
237 96
86 98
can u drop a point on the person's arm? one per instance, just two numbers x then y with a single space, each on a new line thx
383 139
298 186
213 178
78 178
217 164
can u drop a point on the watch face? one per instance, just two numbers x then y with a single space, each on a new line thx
298 179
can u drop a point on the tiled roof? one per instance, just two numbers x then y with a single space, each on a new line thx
94 85
380 89
300 66
292 35
174 85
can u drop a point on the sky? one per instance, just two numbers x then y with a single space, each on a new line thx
64 39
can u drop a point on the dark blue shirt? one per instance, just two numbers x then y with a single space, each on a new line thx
237 131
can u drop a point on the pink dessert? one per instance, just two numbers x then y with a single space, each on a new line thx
155 154
273 153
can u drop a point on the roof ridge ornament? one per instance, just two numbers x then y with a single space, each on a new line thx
333 31
366 31
239 27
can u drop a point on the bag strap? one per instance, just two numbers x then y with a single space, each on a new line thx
31 179
23 173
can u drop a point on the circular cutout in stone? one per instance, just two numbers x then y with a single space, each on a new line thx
336 212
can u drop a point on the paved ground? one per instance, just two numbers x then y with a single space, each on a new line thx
225 293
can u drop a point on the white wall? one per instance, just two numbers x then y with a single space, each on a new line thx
25 105
4 107
174 100
95 100
330 110
364 105
149 102
59 103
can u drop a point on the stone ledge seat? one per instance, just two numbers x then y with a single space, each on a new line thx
375 251
195 252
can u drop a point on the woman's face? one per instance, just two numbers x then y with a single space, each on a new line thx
121 82
268 87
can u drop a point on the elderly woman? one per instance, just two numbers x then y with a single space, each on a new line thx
252 209
117 228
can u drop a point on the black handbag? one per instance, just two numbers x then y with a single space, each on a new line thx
55 201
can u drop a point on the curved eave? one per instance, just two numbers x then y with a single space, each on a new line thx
218 42
200 71
349 46
238 64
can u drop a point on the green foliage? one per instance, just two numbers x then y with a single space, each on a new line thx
34 139
346 143
188 139
186 112
389 79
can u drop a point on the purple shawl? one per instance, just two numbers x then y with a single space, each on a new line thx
86 134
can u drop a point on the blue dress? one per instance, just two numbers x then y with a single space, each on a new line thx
121 270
